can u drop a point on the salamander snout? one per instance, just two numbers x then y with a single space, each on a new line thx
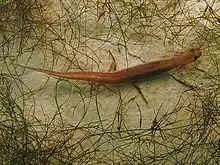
196 53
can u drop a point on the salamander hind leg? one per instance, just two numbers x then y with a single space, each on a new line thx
113 65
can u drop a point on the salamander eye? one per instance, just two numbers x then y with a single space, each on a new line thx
195 58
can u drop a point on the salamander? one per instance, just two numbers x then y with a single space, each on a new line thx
129 74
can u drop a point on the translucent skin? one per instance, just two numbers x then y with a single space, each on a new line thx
129 74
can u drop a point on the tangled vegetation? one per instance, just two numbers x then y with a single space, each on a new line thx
53 121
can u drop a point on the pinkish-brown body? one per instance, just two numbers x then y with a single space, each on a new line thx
129 74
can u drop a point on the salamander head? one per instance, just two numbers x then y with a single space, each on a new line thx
196 53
